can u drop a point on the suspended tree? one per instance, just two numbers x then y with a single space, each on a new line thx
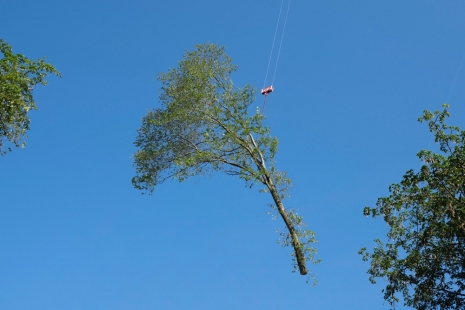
424 259
18 76
202 126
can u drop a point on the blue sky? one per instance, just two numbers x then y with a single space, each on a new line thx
352 80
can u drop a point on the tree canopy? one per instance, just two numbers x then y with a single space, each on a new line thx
203 126
18 76
424 259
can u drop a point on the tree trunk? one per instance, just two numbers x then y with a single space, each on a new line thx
299 255
295 239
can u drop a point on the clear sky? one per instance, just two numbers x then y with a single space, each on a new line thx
352 80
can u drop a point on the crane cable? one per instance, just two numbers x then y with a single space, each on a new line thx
281 43
272 48
455 80
450 91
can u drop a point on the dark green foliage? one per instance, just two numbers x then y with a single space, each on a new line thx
204 126
18 76
424 258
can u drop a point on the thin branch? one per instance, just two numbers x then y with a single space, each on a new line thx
242 143
449 292
251 172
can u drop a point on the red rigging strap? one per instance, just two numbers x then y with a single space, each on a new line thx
265 92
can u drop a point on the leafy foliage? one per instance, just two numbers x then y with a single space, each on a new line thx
203 126
425 256
18 76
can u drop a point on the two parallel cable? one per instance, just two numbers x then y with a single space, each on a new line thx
274 41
